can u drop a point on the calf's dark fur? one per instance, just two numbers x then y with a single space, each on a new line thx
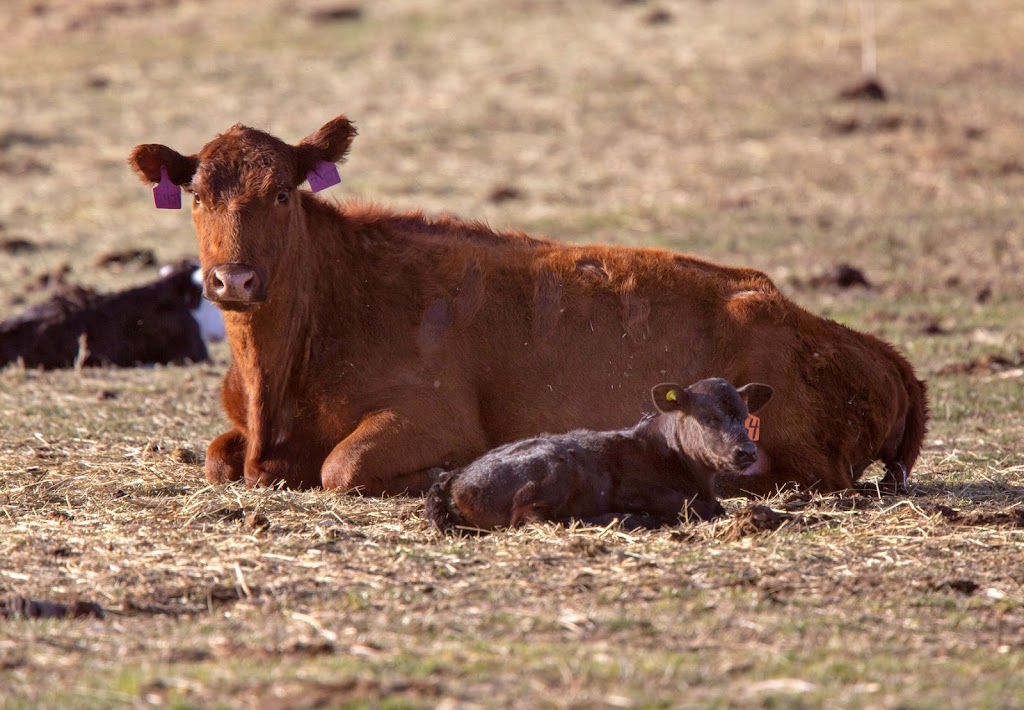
152 323
644 476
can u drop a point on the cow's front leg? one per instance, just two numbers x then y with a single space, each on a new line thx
225 458
389 453
294 463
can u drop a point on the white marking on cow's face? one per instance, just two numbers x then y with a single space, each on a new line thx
207 315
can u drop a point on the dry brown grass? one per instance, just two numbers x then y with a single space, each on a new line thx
241 595
715 130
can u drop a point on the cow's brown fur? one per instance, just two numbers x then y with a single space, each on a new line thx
389 344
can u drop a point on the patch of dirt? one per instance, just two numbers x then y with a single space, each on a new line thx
292 695
15 137
138 257
988 364
1013 518
869 89
54 279
934 327
18 245
16 606
757 518
196 598
960 586
38 18
21 166
189 456
841 276
889 123
504 193
336 13
659 16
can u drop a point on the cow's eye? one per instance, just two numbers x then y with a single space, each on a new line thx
282 197
195 197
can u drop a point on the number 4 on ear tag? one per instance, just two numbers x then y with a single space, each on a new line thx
753 424
166 194
323 176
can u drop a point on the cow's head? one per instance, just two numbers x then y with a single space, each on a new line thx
245 205
711 423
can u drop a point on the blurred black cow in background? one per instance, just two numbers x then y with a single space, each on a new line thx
158 322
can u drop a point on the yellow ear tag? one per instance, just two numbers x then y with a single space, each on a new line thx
671 396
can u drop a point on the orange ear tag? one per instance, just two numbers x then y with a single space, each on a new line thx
753 424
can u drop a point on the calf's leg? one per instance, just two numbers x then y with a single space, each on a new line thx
547 496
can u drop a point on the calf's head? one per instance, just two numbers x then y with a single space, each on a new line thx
711 420
245 206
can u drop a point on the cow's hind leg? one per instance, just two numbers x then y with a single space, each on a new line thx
225 458
390 454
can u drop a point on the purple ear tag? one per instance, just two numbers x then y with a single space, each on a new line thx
166 194
323 176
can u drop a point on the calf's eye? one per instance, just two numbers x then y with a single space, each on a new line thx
282 197
195 196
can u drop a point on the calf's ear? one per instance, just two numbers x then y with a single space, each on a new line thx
756 395
146 160
329 143
670 397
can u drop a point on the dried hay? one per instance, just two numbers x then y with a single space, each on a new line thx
609 129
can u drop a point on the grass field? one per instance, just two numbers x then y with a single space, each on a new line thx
708 126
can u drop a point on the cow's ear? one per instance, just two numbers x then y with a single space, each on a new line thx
146 160
670 397
329 144
756 395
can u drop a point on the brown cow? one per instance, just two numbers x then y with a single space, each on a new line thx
644 476
370 347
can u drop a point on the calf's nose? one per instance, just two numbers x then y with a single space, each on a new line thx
234 283
745 454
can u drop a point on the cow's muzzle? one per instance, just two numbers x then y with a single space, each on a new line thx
237 287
